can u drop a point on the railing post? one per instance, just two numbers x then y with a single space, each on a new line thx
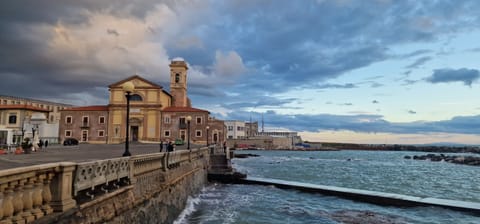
61 188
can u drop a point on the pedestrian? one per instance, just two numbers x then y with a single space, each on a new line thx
170 147
40 144
161 146
224 146
46 144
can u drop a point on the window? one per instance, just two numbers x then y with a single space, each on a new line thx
198 133
117 131
101 133
101 120
182 120
177 77
136 97
68 119
12 119
239 128
199 120
84 135
166 120
85 120
166 134
230 128
68 133
230 137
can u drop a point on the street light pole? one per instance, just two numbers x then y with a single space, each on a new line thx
189 118
128 87
207 134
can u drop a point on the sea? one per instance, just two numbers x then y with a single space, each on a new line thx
383 171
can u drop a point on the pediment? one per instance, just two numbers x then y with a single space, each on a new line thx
137 81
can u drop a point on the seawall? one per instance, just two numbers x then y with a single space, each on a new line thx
151 188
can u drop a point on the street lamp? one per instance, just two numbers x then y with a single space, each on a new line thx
207 134
128 87
189 118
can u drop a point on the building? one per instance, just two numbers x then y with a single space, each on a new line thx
235 129
251 129
155 114
86 124
23 117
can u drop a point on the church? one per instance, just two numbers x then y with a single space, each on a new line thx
155 114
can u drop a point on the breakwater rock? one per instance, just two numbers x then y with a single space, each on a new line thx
244 155
466 160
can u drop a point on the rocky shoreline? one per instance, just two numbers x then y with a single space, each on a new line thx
465 160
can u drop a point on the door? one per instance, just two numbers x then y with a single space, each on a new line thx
84 135
134 133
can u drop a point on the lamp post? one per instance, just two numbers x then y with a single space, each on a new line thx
189 118
128 87
207 134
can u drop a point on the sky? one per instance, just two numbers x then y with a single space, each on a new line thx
361 71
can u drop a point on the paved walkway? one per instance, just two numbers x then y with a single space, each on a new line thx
79 153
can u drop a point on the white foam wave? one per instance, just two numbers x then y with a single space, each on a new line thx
189 209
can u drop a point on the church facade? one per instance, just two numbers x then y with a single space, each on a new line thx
155 114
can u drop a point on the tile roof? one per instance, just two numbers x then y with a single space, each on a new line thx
23 107
183 109
88 108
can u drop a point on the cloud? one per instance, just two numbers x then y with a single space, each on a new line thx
375 102
419 62
229 64
336 86
467 76
412 112
363 123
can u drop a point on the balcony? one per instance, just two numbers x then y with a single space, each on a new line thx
182 126
85 125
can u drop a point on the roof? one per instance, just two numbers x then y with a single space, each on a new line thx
23 107
183 109
88 108
132 78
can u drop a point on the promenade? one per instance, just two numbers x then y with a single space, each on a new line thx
78 153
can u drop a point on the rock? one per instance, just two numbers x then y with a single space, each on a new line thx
407 157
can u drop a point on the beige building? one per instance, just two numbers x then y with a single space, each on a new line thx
23 117
146 104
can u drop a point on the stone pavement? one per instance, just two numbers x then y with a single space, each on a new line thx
79 153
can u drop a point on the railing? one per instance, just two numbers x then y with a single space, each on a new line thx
28 193
88 175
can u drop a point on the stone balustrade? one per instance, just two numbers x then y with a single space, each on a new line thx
29 193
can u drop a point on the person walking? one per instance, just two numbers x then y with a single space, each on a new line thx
46 144
161 146
224 146
170 147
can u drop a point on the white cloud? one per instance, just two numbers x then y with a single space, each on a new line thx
229 64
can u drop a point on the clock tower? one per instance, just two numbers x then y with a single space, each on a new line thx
178 82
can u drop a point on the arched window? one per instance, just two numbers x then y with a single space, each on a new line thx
136 97
177 77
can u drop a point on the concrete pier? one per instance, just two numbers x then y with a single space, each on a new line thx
373 197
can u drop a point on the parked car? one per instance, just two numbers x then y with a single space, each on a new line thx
179 141
70 141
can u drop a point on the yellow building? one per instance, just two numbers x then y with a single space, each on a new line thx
155 115
146 104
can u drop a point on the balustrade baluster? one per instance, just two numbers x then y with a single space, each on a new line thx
7 201
27 200
46 194
17 201
37 196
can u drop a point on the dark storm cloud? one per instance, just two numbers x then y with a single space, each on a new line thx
362 123
260 102
467 76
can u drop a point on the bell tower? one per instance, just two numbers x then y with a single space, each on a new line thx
178 82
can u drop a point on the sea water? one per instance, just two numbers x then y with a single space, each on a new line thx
367 170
